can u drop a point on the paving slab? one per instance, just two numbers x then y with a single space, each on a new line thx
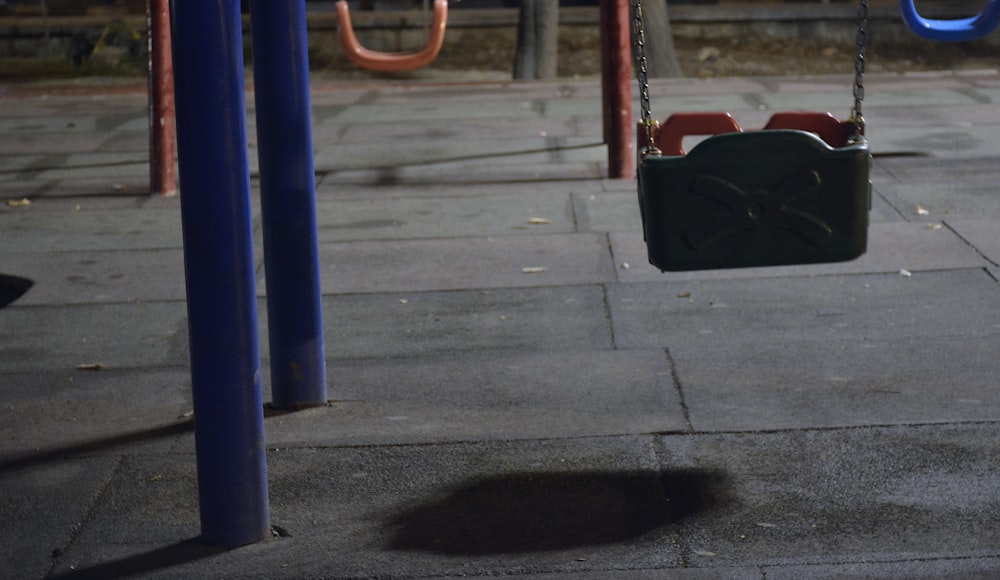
415 182
424 133
983 235
892 248
450 264
844 383
126 142
929 116
861 307
950 174
100 276
842 496
465 156
489 215
709 502
488 395
664 106
487 508
93 166
43 506
941 142
47 415
974 567
383 112
424 323
931 201
42 142
46 338
72 229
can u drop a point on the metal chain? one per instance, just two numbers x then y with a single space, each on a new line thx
639 50
859 71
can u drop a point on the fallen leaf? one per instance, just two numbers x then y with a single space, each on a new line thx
23 202
684 295
92 367
537 221
922 211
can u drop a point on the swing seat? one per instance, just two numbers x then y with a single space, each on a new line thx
758 198
955 30
390 61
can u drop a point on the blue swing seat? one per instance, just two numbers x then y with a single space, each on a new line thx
952 30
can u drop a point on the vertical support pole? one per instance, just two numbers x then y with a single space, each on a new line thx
603 19
288 203
162 133
616 77
219 271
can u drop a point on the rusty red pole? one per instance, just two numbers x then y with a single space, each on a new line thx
162 132
616 78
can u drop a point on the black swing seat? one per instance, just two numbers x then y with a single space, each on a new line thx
756 198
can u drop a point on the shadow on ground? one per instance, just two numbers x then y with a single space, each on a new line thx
167 557
533 512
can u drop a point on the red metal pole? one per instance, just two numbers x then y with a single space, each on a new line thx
616 75
162 131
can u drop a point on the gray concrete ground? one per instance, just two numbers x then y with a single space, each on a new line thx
515 391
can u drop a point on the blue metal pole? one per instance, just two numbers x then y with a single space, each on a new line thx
288 203
219 267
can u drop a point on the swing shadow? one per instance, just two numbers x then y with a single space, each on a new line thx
388 174
139 565
125 439
12 288
536 512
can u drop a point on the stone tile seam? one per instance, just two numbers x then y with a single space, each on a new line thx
973 247
651 436
917 425
764 568
88 510
679 387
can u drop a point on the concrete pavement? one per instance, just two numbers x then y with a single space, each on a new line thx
514 390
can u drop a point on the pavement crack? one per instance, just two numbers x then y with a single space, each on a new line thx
607 316
680 389
88 510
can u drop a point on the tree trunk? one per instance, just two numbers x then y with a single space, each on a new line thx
524 57
661 55
547 43
537 54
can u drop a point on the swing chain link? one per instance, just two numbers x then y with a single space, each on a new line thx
859 72
642 75
639 51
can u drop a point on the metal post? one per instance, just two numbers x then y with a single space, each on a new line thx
162 135
288 203
219 267
616 77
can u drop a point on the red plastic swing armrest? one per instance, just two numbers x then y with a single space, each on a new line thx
829 128
390 61
669 137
